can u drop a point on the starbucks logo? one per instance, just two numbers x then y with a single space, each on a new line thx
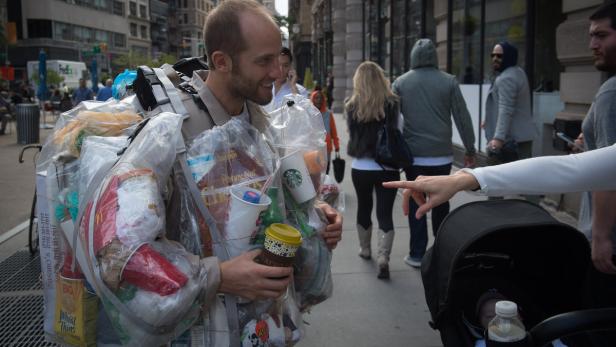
293 178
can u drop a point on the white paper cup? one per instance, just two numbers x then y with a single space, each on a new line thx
296 178
243 216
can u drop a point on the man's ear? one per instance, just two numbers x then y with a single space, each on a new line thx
222 61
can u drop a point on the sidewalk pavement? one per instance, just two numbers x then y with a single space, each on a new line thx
16 180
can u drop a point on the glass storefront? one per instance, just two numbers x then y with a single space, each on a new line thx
478 25
390 30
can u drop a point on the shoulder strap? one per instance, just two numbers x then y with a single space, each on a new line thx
219 250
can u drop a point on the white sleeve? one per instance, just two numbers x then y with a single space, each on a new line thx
588 171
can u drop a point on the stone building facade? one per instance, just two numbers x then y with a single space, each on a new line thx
551 35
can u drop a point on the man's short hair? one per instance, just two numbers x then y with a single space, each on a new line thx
606 11
286 51
222 27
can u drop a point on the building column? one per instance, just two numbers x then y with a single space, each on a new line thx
339 52
580 80
353 41
440 18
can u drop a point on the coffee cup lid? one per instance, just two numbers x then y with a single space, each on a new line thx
284 233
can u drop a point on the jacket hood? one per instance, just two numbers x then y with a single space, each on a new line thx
510 55
423 54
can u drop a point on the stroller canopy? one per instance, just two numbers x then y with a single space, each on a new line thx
509 244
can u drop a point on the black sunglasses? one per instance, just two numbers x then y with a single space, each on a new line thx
498 55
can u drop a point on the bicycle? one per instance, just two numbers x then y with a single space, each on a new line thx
33 241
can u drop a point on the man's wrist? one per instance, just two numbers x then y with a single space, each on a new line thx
465 181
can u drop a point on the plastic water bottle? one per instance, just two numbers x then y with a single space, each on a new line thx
506 326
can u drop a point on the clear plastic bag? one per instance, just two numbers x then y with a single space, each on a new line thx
298 134
331 193
149 286
224 159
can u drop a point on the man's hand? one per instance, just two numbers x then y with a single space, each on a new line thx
469 161
496 144
292 77
333 232
243 277
603 221
579 144
602 252
437 188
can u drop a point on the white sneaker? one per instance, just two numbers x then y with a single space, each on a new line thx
412 262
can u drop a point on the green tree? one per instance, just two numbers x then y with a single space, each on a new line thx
53 78
166 58
131 60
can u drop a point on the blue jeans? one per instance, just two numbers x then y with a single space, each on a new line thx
419 227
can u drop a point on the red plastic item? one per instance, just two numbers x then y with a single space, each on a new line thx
146 269
149 270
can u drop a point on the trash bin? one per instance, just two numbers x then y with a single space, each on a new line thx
28 118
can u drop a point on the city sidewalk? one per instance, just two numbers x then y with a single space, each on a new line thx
16 180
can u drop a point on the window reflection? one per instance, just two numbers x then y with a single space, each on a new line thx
505 21
466 40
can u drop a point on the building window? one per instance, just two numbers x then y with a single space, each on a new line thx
132 8
185 18
133 29
144 32
118 8
142 11
39 28
119 40
466 41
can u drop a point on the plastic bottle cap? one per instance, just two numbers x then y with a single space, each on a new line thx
284 233
507 309
250 196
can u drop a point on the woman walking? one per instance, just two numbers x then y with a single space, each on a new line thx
365 113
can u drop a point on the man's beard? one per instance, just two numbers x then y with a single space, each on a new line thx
247 89
609 60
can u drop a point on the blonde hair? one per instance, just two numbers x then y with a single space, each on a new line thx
371 90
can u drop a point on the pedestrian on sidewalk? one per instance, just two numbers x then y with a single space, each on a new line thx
286 83
429 99
331 136
509 125
105 93
365 113
83 93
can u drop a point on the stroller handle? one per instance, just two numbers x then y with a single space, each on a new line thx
571 323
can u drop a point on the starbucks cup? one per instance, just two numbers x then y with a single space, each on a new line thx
281 244
246 205
296 178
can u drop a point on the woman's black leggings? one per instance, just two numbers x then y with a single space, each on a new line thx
365 182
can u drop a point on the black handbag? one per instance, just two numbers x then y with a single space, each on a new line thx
391 149
338 164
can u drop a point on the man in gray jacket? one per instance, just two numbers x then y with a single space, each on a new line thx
508 111
428 100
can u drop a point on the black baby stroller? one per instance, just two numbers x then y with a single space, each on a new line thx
520 250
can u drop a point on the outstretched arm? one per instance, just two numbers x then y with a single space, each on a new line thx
592 170
431 191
